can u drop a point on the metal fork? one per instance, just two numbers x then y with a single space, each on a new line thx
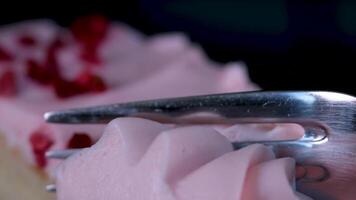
326 154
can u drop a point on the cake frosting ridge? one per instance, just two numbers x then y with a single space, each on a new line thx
143 159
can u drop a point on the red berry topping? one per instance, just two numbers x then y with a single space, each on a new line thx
5 56
90 31
90 55
80 140
48 73
41 74
65 89
86 82
40 144
27 41
91 82
8 85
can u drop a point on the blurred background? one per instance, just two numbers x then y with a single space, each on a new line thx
286 44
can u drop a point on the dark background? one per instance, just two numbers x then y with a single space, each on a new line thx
287 45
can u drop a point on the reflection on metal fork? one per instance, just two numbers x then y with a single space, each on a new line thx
51 188
61 154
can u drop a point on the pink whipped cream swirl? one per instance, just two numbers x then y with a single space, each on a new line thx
142 159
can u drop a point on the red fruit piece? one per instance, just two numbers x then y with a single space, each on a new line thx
91 82
27 40
90 31
46 73
40 143
5 56
65 89
80 140
86 82
41 74
8 85
90 55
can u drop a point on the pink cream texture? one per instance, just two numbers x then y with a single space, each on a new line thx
142 159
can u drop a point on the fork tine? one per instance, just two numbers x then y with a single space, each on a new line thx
51 188
170 109
61 154
251 107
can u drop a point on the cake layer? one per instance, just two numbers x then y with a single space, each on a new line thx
18 181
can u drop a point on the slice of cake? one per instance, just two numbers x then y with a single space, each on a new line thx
45 67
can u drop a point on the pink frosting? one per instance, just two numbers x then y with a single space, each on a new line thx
142 159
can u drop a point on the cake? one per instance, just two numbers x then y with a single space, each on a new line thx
46 67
